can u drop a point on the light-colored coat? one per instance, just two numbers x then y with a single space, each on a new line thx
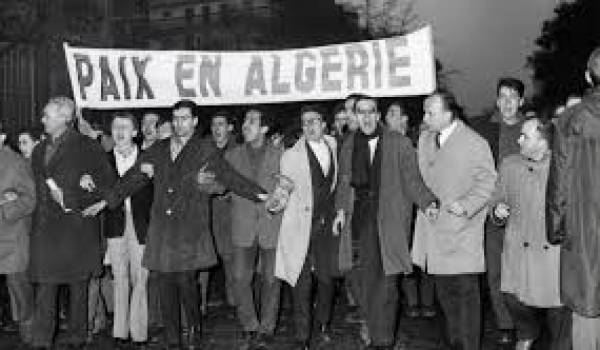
15 216
294 234
462 171
530 265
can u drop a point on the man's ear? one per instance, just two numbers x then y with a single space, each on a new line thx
264 129
588 77
521 102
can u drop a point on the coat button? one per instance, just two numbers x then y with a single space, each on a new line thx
525 244
545 247
169 211
169 190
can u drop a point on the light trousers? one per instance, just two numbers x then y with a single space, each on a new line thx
125 257
586 333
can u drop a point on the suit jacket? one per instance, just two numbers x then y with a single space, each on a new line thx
65 246
15 216
141 203
462 170
179 233
295 231
401 188
250 222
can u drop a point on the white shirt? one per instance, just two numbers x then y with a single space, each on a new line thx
444 134
321 151
372 147
124 163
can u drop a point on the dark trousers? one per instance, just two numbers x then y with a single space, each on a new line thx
529 320
303 301
494 240
378 297
418 288
244 266
178 289
459 299
45 313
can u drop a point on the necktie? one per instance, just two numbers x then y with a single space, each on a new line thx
437 140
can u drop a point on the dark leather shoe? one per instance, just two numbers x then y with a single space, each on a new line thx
505 337
263 340
323 335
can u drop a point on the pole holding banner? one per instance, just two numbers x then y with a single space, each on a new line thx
117 78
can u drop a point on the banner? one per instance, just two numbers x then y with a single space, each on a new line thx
118 78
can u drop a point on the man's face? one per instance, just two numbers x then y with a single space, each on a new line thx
252 129
184 122
340 120
26 144
367 115
508 101
396 119
53 120
436 117
149 126
123 131
313 126
220 129
530 140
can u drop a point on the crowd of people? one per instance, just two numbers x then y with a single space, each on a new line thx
514 198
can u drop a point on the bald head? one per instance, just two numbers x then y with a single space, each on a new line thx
593 67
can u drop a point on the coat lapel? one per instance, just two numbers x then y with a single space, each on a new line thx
60 151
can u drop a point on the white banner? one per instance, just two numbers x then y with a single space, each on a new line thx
117 78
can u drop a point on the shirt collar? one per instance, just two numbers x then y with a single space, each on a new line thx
447 131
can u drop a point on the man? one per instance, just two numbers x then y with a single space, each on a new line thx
530 266
17 201
378 184
221 127
306 245
183 169
150 135
339 128
254 231
65 247
457 165
125 230
501 131
396 118
573 209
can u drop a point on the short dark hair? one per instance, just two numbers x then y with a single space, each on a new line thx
511 83
223 114
128 116
313 107
34 133
339 107
191 105
361 97
593 66
397 103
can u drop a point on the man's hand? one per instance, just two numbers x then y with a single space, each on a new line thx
339 222
502 211
432 211
87 183
456 209
94 209
147 169
205 177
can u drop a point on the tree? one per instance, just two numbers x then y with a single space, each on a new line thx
564 45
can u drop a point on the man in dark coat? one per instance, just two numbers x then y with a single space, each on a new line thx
501 131
183 168
379 182
65 246
573 209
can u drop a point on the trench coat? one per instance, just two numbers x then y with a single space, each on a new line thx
530 265
294 234
401 187
573 199
461 170
15 216
179 237
65 246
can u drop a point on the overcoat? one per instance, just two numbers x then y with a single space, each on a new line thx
179 236
294 234
574 204
401 187
462 171
15 216
65 246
